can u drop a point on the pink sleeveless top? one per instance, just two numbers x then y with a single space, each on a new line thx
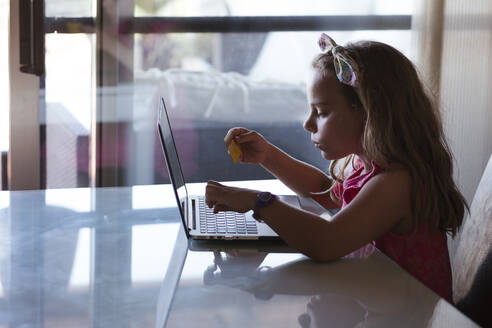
424 253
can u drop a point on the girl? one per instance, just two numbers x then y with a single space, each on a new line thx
369 108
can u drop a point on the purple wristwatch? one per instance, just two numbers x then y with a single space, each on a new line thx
263 199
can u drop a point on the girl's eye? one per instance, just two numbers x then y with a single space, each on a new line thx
322 110
319 112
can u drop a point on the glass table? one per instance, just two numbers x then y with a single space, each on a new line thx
118 257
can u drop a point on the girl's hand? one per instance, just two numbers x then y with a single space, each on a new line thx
225 198
254 146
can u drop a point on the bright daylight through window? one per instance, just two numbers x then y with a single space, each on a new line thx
213 77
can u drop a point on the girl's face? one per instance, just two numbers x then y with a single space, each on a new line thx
336 127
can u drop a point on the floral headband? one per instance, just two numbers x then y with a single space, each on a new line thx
345 67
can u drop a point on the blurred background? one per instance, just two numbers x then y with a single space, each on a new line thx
218 64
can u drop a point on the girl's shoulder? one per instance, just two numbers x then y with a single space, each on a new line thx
396 175
383 182
393 171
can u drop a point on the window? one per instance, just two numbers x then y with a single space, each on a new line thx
218 64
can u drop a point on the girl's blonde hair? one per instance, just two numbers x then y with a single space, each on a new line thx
402 126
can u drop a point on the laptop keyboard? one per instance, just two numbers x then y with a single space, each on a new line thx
225 222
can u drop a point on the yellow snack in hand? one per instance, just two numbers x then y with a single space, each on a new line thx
234 150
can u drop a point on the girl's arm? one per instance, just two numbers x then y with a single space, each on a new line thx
299 176
382 203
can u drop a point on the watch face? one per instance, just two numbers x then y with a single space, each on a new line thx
265 196
264 199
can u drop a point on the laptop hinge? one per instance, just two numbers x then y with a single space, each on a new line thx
193 213
187 214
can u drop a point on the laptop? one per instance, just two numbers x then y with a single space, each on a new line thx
198 219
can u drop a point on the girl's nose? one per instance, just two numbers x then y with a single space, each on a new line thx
309 124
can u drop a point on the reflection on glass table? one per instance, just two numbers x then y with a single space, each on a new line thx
239 288
86 257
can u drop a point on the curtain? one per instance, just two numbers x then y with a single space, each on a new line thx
453 51
427 27
452 42
466 84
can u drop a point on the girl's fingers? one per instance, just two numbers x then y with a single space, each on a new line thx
246 137
210 192
214 191
221 208
209 203
232 133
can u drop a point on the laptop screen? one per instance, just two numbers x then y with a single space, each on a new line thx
172 159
